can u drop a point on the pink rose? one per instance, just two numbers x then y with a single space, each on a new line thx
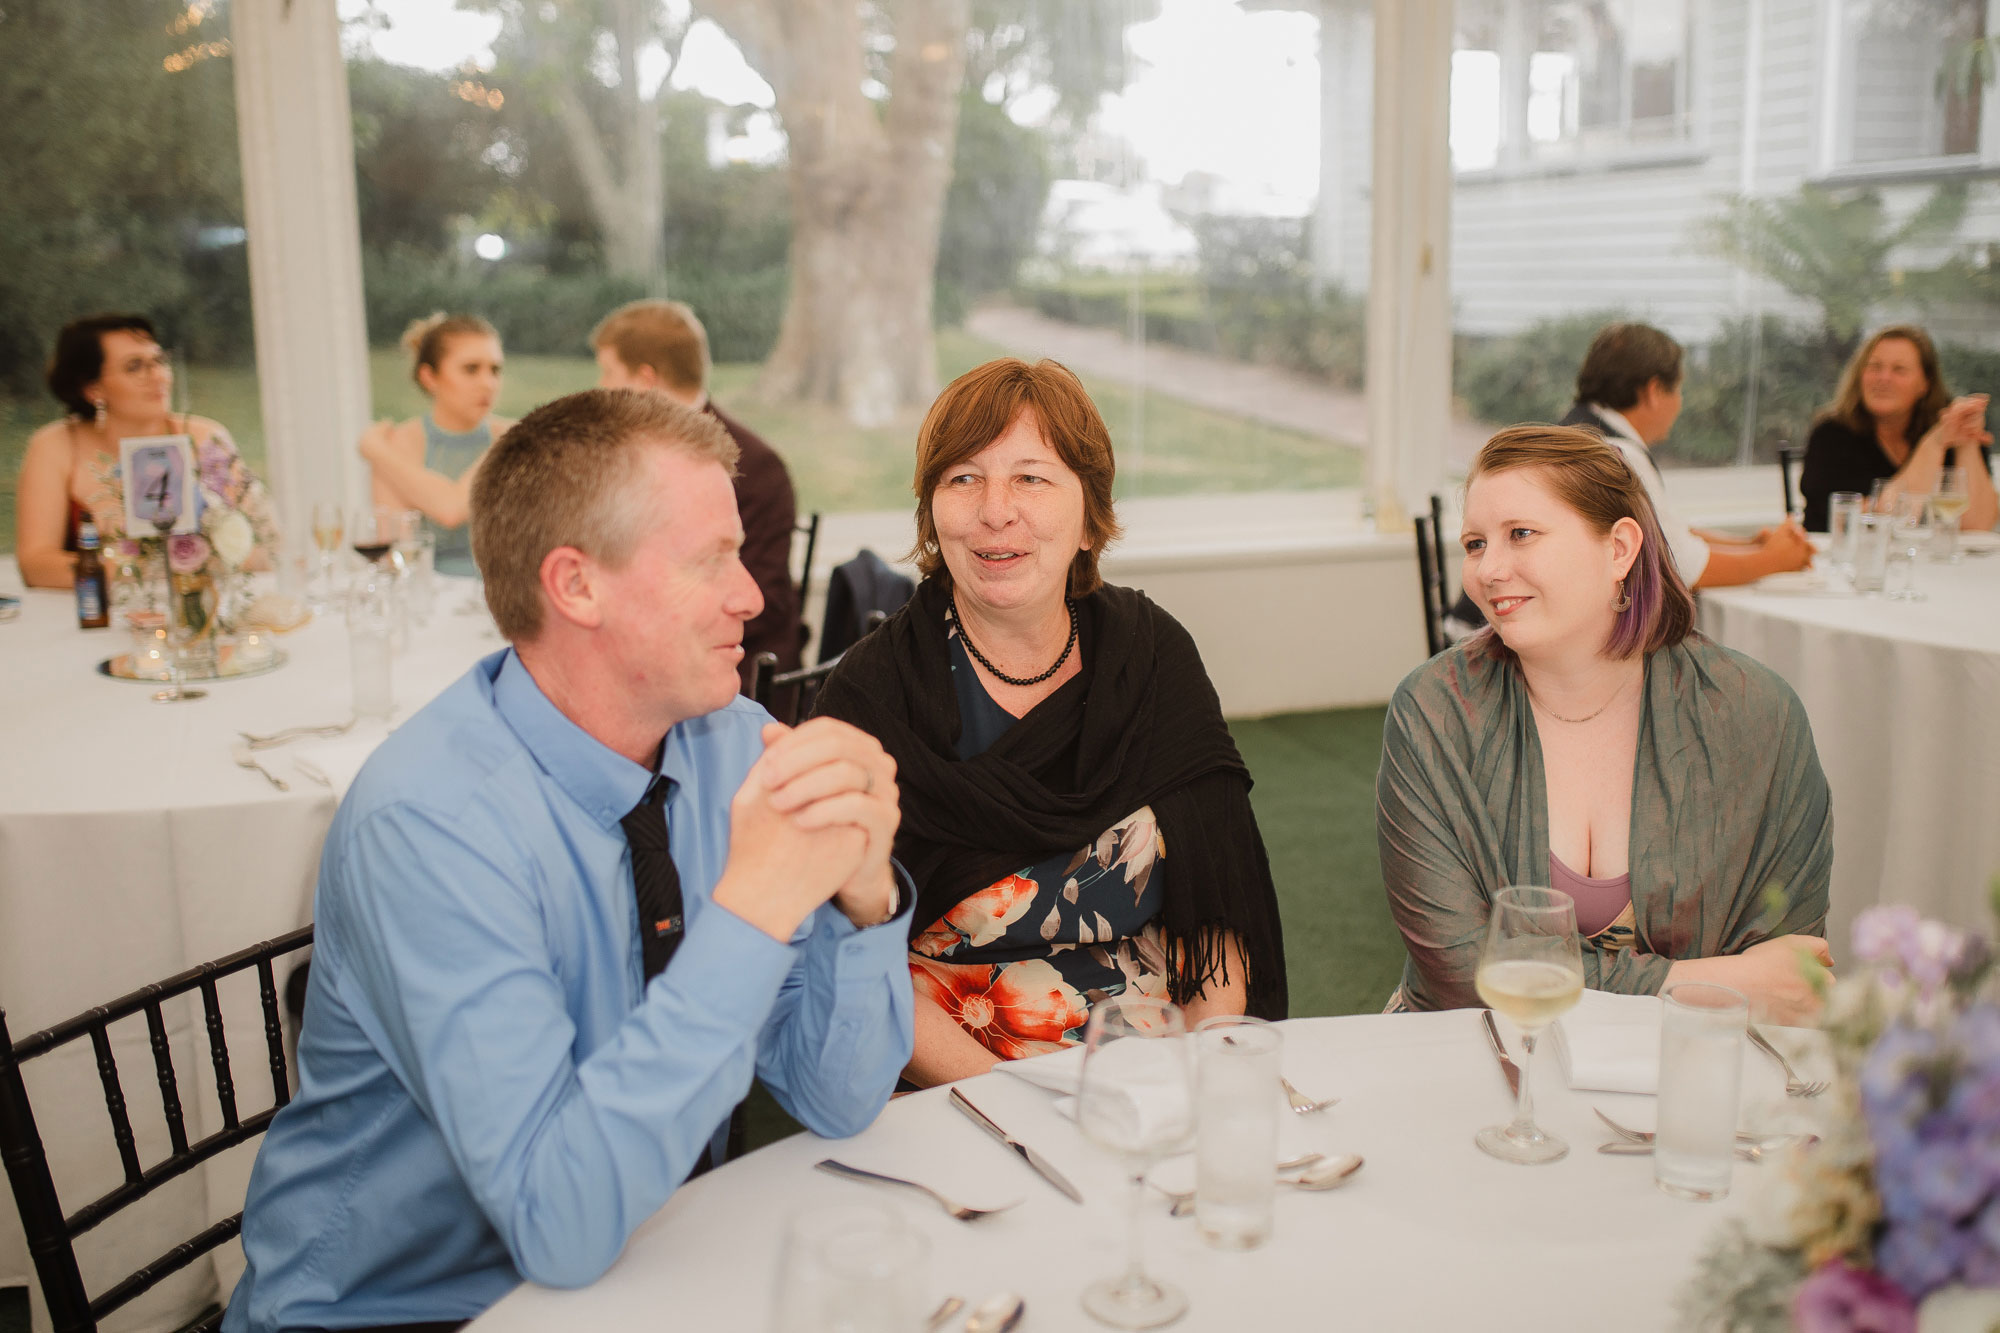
187 552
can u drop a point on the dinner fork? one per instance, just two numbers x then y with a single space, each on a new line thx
1647 1136
1302 1104
1794 1085
244 759
290 734
957 1210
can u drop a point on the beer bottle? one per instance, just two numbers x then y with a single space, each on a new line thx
93 606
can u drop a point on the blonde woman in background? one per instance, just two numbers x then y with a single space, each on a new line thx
427 463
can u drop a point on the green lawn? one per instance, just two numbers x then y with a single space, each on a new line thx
1177 448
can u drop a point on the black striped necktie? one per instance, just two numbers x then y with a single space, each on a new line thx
655 881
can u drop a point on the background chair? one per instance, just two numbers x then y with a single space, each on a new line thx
788 695
810 531
1791 459
1430 576
51 1235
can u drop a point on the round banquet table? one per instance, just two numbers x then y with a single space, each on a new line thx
1904 699
1431 1234
132 847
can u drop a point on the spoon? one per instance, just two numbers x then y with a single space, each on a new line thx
1328 1175
1181 1202
996 1314
947 1307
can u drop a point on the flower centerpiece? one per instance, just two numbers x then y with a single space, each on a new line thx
1891 1223
204 570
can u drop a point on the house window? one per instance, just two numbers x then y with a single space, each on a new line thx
1556 80
1911 90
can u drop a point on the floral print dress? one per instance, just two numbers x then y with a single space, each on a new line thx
1020 962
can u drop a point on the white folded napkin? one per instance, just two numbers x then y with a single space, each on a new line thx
1610 1043
336 762
1057 1072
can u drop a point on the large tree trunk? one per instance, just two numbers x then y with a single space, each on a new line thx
630 205
868 184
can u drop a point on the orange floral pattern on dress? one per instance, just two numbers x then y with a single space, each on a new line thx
1015 1011
980 919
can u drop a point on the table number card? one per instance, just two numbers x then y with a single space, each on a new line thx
159 473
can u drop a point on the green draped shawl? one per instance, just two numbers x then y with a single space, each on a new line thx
1727 800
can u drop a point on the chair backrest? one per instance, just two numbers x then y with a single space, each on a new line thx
810 530
1791 459
51 1234
1430 585
788 695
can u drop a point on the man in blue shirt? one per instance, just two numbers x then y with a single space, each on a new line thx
490 1089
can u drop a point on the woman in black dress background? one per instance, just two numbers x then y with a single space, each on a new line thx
1892 417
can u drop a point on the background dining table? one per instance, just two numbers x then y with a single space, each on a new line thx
132 846
1904 699
1430 1234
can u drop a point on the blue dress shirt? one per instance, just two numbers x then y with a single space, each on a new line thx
487 1092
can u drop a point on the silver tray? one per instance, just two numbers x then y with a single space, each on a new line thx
227 667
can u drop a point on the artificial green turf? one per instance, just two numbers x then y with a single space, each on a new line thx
1315 803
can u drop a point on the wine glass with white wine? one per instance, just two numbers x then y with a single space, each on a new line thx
1948 506
1531 971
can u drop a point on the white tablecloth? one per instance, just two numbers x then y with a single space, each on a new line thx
132 847
1432 1234
1904 699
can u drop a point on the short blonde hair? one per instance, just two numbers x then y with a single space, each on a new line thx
662 334
564 475
977 408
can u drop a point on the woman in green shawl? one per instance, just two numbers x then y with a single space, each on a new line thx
1590 738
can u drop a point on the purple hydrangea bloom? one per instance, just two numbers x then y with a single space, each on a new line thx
215 464
1894 1086
1922 1255
1987 1228
1883 934
1947 1180
1976 1034
1839 1299
1976 1099
1981 1267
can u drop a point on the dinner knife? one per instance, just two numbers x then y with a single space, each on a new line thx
1041 1164
1507 1066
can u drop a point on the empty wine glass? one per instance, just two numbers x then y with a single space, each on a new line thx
1137 1100
1531 971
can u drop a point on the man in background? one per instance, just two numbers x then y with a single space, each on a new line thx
661 345
1629 391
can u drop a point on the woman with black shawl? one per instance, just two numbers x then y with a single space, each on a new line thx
1075 815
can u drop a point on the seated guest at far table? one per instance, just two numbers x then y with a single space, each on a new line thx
427 463
1893 419
661 346
507 1063
1628 390
1075 815
115 382
1593 740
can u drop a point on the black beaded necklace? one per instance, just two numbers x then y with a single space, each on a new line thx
996 672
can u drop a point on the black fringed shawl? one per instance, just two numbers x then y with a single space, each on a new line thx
1139 725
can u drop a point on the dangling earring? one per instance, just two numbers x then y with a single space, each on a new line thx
101 413
1623 600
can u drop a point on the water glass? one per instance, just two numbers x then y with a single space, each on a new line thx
371 626
1871 552
1909 530
1237 1067
1842 508
850 1268
1701 1072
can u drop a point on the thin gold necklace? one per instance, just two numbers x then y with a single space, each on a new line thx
1587 716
